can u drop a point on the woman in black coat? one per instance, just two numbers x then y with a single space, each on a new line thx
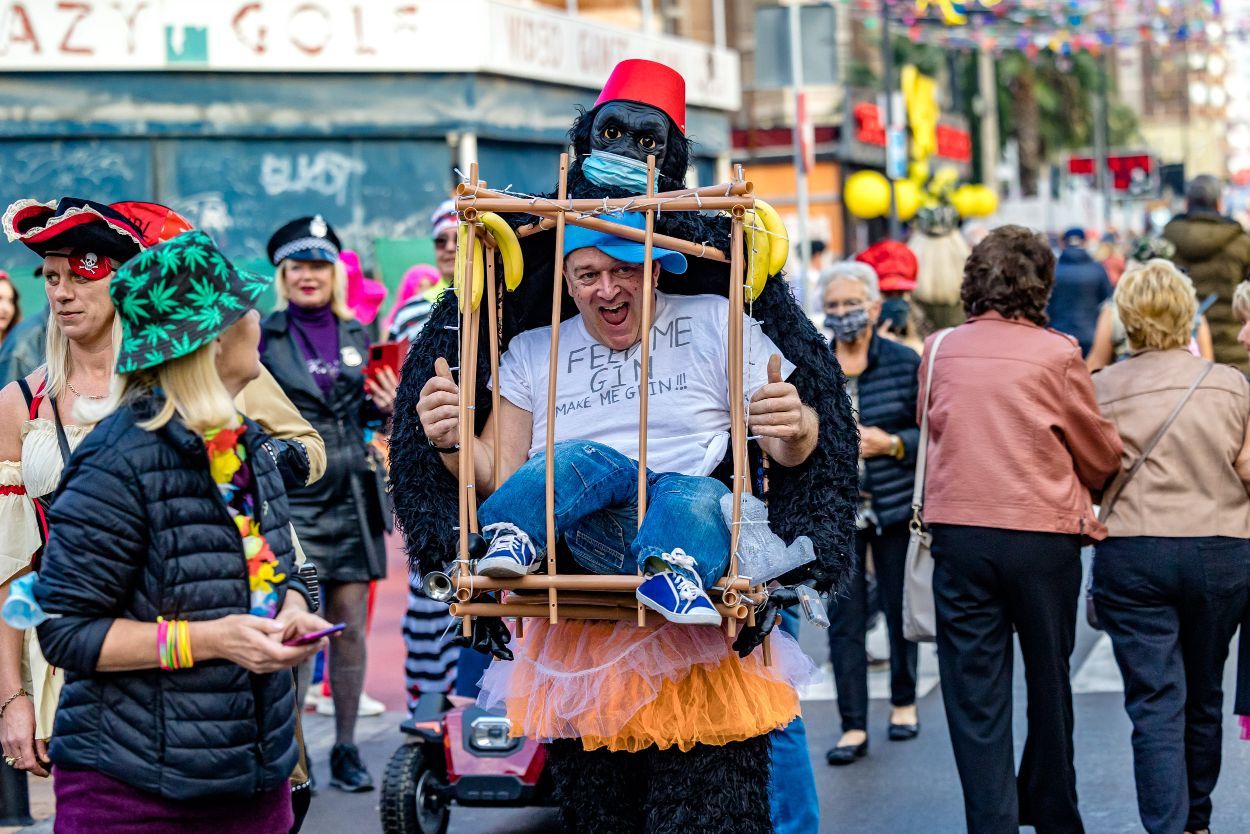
316 350
170 575
881 378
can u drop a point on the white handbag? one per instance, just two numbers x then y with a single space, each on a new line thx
919 610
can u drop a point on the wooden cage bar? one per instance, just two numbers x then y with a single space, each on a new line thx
557 295
608 597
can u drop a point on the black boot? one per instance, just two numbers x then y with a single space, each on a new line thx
347 771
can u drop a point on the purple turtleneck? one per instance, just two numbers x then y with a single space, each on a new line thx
316 331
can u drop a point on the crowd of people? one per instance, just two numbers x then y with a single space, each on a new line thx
192 491
1030 458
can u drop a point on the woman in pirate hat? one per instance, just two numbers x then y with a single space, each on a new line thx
81 243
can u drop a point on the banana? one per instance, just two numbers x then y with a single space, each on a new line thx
780 243
463 268
759 253
479 272
509 248
462 252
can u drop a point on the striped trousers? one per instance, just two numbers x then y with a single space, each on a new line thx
430 666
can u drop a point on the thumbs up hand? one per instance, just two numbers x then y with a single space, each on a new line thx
438 407
774 368
776 410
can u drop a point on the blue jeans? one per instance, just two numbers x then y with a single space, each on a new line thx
792 786
596 509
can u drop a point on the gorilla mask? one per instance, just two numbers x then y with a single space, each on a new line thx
634 131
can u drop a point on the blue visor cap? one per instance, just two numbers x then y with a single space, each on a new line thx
316 254
575 237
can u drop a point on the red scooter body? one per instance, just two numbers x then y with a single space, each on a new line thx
459 755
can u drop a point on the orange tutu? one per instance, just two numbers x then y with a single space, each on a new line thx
625 688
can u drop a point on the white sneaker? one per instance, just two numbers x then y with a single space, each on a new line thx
369 707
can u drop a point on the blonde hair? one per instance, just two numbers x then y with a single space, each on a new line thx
1157 304
1241 301
941 267
338 290
192 390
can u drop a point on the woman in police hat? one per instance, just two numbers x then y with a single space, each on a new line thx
316 350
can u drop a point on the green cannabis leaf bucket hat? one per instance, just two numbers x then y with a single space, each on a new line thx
177 297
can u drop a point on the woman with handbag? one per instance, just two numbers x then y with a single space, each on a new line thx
316 350
881 379
169 582
1016 445
1171 583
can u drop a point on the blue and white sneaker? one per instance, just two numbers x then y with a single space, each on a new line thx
511 553
677 594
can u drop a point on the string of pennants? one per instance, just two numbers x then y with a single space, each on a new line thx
1061 26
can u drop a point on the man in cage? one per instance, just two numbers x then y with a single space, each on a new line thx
696 724
682 545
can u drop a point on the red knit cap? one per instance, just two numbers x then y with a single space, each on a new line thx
895 265
647 82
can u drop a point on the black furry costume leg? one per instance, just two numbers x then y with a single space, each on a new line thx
721 789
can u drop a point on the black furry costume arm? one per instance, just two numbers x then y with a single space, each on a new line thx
818 498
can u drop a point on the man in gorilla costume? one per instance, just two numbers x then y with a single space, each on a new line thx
641 113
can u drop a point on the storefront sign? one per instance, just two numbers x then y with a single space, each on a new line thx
953 143
1131 173
478 36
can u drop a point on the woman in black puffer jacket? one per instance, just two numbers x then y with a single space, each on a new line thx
169 575
881 378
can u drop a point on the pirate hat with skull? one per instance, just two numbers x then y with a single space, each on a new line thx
94 236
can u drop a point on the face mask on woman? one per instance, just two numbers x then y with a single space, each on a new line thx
849 326
896 311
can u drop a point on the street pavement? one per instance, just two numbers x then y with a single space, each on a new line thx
909 787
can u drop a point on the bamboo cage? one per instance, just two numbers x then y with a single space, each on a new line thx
556 595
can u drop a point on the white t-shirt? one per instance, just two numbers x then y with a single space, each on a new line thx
597 388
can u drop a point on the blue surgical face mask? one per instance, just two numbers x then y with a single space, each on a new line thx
606 169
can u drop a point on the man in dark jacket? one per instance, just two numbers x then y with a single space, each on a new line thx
1081 287
1215 251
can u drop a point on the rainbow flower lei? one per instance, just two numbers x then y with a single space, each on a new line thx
227 461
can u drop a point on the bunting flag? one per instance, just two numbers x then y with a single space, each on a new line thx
1059 26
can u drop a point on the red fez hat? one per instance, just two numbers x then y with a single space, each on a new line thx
895 265
647 82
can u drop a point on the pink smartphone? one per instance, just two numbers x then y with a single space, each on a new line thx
314 636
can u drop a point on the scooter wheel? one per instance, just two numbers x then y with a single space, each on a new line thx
412 799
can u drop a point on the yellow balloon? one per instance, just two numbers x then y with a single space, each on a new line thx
986 200
918 171
867 194
964 199
906 199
